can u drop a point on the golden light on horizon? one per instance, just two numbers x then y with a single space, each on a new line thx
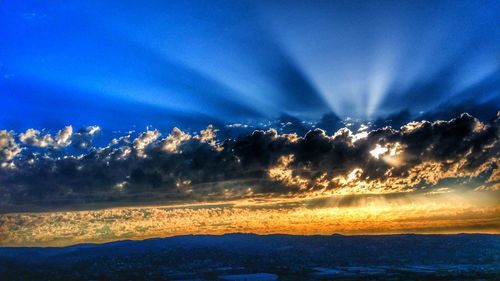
439 212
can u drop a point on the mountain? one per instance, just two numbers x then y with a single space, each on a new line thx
205 256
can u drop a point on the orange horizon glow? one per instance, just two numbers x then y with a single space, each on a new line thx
441 212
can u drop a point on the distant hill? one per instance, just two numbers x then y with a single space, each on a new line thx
208 252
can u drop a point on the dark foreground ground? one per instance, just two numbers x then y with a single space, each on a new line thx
275 257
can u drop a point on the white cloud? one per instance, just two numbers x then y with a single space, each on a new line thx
8 148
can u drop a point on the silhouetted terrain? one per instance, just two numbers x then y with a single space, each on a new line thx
205 257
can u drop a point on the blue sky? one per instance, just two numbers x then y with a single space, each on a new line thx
108 104
190 63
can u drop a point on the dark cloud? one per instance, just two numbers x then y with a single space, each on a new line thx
183 167
83 138
395 120
485 111
330 122
291 124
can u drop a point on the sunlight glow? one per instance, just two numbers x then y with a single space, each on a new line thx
432 213
378 150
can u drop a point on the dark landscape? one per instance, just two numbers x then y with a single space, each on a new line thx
263 257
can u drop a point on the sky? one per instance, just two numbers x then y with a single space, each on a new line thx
133 120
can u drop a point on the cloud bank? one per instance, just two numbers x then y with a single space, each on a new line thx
439 214
38 169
